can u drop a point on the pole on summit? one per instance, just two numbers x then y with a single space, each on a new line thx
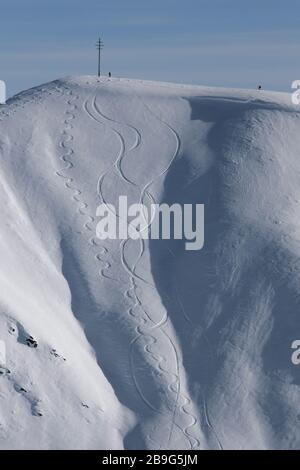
99 46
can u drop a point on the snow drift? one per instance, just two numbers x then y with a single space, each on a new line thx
113 345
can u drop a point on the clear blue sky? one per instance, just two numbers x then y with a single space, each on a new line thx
236 43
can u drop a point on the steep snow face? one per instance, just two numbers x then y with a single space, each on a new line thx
147 345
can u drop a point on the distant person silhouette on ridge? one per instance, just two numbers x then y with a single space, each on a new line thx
109 74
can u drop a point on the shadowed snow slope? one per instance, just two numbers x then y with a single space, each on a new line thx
147 345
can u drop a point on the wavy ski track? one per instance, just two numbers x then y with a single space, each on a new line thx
138 303
195 442
123 153
65 158
69 181
133 276
116 164
174 386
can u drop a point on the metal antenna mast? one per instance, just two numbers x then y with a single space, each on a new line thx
99 46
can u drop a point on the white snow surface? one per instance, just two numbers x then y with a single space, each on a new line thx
149 346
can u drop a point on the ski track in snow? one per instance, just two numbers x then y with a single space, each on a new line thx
174 386
117 165
68 152
76 192
143 322
107 265
145 191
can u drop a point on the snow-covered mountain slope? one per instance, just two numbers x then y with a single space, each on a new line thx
149 345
